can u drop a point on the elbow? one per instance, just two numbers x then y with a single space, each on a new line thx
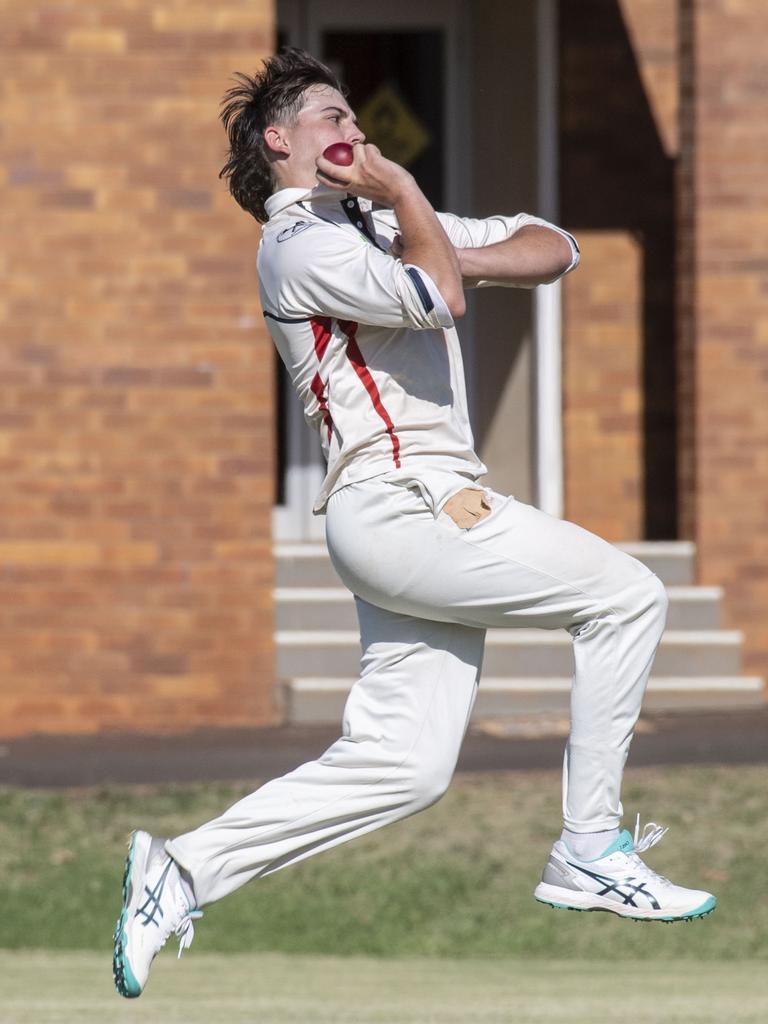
558 271
565 266
556 274
457 305
562 258
570 262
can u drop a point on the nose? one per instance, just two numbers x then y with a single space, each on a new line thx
356 135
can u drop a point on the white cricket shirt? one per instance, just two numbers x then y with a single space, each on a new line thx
368 341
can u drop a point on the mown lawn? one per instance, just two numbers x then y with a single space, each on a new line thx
454 881
74 988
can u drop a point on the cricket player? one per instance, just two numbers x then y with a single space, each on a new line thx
362 283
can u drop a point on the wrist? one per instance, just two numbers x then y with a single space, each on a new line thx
403 189
468 262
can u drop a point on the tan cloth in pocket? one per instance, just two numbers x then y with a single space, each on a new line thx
467 508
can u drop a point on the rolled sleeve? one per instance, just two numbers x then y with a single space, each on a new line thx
429 295
470 233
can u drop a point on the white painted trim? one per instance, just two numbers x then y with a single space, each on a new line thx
548 396
548 431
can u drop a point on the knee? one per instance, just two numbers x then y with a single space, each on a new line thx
658 598
650 601
428 783
644 599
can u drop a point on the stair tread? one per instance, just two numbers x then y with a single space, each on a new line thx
318 549
337 593
508 637
551 682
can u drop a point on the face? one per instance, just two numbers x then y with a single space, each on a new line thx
325 118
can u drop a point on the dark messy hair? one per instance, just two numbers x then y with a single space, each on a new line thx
273 95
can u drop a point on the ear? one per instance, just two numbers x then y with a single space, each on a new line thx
274 139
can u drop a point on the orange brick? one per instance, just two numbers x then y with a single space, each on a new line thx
127 287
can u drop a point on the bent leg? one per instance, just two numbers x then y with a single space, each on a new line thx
403 725
519 567
614 653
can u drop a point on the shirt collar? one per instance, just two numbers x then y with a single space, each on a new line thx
286 197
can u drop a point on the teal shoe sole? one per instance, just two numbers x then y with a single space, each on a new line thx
125 982
706 908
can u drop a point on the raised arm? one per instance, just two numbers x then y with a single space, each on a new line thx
424 242
533 255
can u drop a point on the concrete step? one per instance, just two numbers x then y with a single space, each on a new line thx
334 608
693 607
304 565
673 561
529 653
321 700
308 565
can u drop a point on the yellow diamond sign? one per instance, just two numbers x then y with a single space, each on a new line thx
389 124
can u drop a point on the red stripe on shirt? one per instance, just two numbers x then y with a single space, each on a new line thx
321 329
355 356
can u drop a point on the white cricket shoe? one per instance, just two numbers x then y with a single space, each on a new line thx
154 906
618 881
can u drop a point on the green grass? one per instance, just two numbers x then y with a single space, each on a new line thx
454 881
75 988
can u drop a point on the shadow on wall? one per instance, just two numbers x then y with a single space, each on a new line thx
616 175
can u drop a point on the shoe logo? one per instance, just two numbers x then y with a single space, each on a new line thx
629 891
151 905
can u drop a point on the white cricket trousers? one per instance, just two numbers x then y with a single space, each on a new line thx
426 592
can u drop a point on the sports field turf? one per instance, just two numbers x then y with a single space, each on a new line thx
431 920
75 988
454 881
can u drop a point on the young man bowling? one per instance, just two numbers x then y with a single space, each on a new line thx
361 284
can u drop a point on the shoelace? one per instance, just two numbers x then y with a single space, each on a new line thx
185 930
651 835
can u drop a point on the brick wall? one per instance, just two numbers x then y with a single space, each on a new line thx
653 31
602 373
136 422
727 493
618 102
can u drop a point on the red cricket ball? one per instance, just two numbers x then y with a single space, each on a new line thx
339 153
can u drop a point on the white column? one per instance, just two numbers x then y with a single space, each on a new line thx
548 433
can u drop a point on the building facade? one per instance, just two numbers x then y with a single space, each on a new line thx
150 453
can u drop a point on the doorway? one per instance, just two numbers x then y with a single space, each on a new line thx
407 77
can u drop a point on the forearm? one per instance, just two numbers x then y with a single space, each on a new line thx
533 255
425 244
